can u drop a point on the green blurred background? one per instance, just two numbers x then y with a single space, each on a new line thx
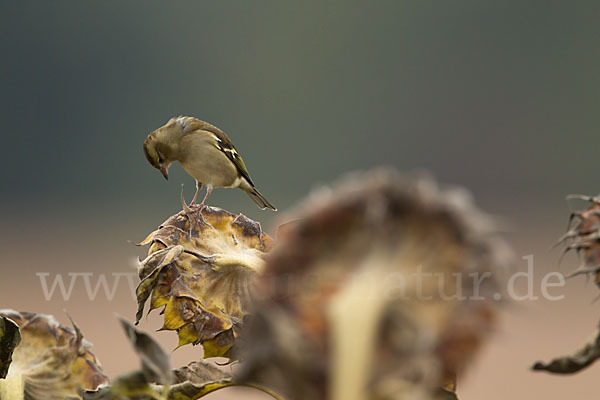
499 96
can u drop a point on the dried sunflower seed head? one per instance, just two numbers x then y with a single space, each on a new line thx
51 362
358 293
200 267
582 236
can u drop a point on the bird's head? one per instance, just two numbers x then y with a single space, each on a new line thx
159 148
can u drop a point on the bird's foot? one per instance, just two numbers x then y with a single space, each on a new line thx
186 208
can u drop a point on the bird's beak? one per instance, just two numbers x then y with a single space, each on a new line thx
164 169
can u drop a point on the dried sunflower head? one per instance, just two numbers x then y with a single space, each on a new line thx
367 294
200 266
584 237
51 362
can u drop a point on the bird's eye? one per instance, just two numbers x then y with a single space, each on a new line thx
160 160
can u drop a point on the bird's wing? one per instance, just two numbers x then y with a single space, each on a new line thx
226 146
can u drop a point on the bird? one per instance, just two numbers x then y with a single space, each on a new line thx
206 153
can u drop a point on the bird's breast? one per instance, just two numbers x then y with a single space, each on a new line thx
209 165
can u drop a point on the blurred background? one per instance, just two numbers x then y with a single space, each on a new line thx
498 96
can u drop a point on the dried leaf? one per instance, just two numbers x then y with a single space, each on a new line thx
156 363
201 372
200 268
579 360
10 337
446 394
130 386
192 391
193 381
198 379
139 385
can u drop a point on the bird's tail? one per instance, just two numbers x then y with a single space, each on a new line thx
259 199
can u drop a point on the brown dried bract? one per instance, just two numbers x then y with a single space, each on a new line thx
10 337
584 237
200 267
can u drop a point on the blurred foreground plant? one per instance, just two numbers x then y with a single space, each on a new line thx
359 292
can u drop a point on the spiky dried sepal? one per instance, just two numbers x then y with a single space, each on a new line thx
200 267
583 236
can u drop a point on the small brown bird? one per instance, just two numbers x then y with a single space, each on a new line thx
205 152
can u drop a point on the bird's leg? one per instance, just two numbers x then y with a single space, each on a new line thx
209 190
198 187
